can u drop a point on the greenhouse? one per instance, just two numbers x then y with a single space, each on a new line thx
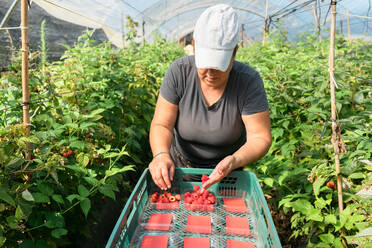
185 123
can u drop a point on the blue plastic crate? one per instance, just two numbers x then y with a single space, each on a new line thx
241 184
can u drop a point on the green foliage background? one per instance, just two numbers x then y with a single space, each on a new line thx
301 161
98 102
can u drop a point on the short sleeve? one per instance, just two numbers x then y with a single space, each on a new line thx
254 98
170 87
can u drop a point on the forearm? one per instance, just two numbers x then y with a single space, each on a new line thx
254 148
160 138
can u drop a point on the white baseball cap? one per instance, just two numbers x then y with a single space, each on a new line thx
216 36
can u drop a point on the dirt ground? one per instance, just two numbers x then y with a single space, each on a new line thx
282 223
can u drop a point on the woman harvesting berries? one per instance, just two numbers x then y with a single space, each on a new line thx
212 111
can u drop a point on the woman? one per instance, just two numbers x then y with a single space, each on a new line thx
212 111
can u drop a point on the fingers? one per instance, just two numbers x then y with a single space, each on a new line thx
222 169
162 174
213 178
171 172
165 175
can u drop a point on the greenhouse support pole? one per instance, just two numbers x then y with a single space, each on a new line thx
143 33
122 29
317 23
266 22
335 126
348 25
8 14
25 88
242 34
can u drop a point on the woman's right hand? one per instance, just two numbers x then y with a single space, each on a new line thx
162 171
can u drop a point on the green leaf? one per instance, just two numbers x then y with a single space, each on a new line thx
19 213
302 206
284 202
83 191
77 144
359 98
71 197
269 181
337 243
27 195
112 155
73 126
277 132
92 181
26 207
83 159
286 148
357 175
327 238
282 177
2 240
15 163
54 175
107 190
40 198
58 198
6 197
356 218
54 220
85 125
95 112
317 184
115 171
314 214
77 168
28 244
85 206
30 139
285 124
57 233
331 218
45 189
320 203
12 221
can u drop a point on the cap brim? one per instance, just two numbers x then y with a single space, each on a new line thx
212 58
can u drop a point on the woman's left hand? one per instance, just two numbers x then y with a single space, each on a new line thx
223 168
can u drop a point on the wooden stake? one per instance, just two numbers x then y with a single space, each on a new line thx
335 126
266 23
348 25
317 23
25 88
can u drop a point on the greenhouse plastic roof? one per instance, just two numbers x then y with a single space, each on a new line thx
175 19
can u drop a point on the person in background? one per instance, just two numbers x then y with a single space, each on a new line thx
189 49
212 111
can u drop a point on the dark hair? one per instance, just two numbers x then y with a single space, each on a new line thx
235 50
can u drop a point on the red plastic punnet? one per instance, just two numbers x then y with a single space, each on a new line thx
149 241
199 224
239 244
199 242
236 205
159 221
237 225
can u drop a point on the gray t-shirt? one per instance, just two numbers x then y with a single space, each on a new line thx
206 134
